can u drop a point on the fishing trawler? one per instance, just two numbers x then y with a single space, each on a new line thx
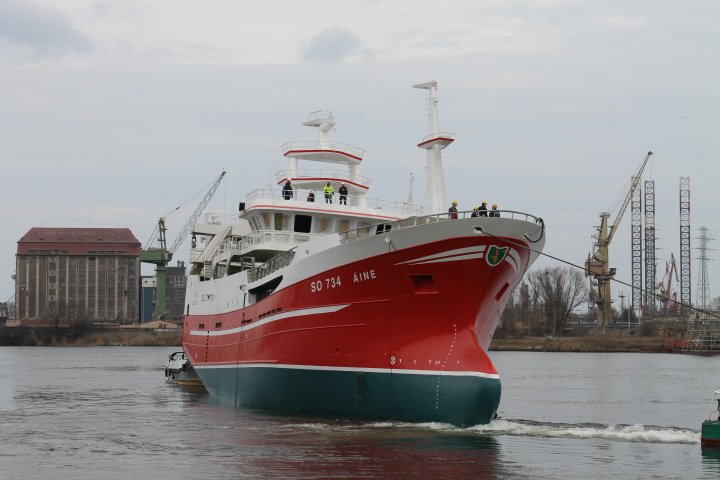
352 305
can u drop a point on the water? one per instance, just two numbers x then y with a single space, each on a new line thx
107 412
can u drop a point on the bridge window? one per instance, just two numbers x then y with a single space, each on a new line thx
342 226
302 223
281 221
322 225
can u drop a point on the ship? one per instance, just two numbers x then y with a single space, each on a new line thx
349 305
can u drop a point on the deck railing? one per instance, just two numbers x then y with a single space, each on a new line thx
380 228
323 145
352 200
272 265
438 135
323 173
221 219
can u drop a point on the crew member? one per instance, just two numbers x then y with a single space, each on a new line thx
475 212
343 194
287 191
311 196
453 211
494 212
328 193
483 209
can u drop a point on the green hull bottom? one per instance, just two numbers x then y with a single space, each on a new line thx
458 400
710 433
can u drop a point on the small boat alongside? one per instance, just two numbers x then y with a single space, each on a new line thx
710 434
179 370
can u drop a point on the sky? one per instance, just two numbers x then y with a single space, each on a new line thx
114 113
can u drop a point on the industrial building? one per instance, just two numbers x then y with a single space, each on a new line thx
73 275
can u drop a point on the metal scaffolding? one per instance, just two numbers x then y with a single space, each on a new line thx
650 247
703 282
685 257
636 242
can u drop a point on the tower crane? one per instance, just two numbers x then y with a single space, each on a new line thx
161 256
598 265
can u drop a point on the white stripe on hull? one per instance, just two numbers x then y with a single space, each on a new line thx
273 318
352 369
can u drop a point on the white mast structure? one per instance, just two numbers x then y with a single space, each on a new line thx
434 142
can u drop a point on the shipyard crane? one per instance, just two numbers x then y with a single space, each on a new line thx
665 286
161 256
598 265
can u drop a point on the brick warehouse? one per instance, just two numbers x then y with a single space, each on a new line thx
70 275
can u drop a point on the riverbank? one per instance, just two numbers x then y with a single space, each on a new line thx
615 341
83 336
587 343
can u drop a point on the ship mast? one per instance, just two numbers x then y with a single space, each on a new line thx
434 142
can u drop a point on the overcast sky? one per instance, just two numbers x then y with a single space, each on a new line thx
113 113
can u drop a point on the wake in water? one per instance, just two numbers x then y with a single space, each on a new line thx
621 433
527 428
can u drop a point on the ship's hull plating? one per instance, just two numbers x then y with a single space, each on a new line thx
386 329
419 397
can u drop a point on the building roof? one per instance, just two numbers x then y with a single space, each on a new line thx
79 241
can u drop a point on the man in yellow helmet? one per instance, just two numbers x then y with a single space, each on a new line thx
476 212
494 212
453 211
328 190
483 209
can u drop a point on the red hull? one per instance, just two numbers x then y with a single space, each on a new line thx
388 311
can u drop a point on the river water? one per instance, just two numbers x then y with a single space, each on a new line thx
108 413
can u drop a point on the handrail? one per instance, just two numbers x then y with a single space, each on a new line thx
222 219
438 135
325 145
370 230
272 265
323 173
353 200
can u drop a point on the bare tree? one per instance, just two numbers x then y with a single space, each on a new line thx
56 311
557 291
518 308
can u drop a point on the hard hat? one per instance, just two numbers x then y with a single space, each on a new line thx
343 183
475 208
454 203
494 205
484 202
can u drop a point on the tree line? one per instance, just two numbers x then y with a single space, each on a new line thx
544 301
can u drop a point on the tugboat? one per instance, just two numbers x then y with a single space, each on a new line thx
179 370
710 435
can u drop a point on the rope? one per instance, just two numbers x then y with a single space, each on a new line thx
690 307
